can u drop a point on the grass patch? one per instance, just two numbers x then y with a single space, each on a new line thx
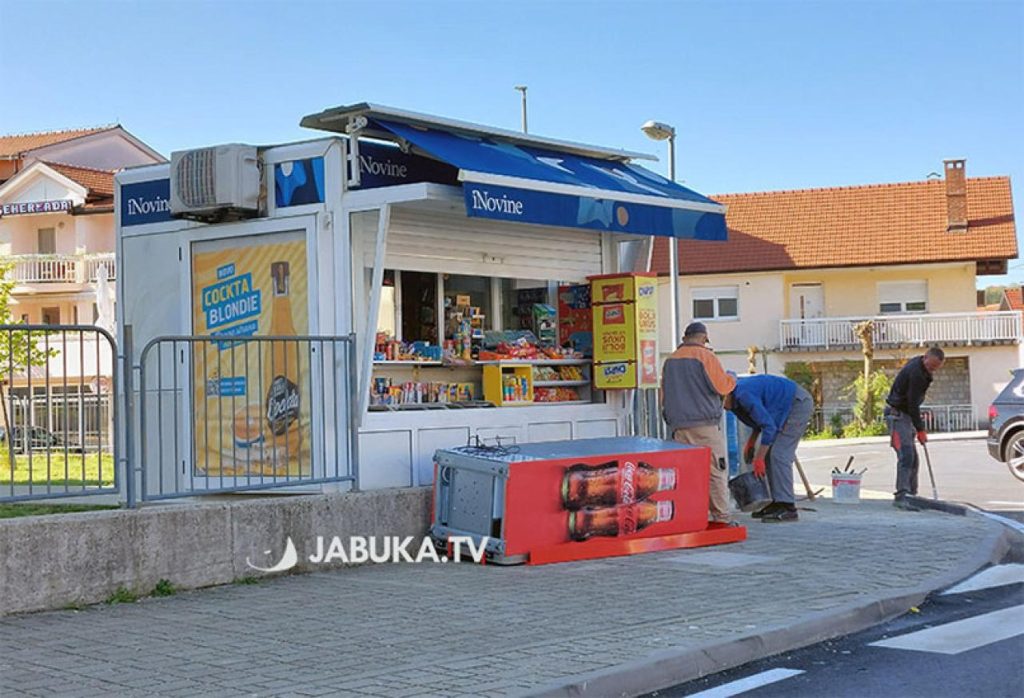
11 511
56 467
246 580
164 587
122 595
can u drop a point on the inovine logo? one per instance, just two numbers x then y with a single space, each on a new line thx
378 549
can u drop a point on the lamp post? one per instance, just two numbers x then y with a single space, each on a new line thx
658 131
522 88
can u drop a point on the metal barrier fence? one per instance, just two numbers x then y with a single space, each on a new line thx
937 418
59 429
226 414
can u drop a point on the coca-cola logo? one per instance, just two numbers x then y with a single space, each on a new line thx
282 404
627 519
627 485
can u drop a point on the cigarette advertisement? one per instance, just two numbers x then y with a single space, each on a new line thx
252 399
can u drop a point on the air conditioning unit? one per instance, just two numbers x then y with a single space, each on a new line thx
218 183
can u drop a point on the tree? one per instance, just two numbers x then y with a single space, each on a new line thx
866 397
19 349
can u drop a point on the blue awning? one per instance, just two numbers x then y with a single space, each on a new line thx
526 184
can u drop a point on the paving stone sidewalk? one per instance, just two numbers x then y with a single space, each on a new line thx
462 629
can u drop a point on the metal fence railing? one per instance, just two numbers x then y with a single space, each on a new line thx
226 414
59 428
937 418
902 330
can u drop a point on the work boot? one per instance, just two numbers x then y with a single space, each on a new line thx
902 503
781 514
768 509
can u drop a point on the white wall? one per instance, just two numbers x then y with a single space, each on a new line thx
760 309
109 150
990 372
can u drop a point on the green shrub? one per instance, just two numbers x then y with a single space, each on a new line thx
855 430
122 595
164 588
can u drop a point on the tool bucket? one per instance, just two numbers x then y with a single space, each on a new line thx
846 488
750 492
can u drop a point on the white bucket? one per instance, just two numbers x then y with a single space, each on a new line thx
846 488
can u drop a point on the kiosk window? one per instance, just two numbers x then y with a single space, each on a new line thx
518 297
419 306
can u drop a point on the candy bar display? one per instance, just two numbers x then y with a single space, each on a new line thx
387 348
384 392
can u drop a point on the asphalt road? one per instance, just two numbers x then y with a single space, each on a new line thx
964 472
962 644
852 665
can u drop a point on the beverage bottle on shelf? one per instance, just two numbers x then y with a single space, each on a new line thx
620 520
613 483
282 370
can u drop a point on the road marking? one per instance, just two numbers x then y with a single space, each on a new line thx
961 635
997 576
735 688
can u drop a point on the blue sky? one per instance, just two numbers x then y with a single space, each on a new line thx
764 95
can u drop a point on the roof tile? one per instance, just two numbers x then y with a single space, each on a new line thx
17 144
851 226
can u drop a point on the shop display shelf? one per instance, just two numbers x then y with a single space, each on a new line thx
561 402
535 362
407 363
552 384
517 403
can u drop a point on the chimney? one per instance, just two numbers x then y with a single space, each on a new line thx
956 195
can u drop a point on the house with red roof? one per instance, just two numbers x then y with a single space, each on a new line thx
57 243
802 268
57 217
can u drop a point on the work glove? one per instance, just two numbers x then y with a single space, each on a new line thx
922 437
760 470
748 450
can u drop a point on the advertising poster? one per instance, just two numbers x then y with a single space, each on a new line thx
252 400
615 332
647 330
595 498
575 327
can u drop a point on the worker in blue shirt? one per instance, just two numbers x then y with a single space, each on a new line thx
780 411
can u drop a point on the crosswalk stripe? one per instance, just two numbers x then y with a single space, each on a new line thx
735 688
997 576
962 635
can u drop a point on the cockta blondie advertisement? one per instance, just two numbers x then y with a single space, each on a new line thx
252 399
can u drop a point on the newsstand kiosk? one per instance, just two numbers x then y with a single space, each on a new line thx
454 259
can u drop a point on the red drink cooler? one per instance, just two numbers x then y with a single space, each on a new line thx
568 500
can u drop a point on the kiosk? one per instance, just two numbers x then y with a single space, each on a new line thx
447 248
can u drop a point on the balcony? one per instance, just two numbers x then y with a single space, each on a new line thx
945 329
60 269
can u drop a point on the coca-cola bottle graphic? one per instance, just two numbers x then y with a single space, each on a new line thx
618 520
613 483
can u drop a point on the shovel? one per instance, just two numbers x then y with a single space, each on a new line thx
931 475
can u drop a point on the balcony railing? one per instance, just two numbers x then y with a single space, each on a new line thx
61 269
904 330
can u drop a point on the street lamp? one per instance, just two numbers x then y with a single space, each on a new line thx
659 131
522 88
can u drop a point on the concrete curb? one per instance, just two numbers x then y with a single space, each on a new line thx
667 668
952 436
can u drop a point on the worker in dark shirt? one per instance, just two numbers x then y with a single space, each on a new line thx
903 415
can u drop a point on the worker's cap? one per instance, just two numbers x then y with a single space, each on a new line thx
695 328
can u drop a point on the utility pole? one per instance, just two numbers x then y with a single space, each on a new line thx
522 89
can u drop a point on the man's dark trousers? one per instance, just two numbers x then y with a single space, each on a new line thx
901 435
